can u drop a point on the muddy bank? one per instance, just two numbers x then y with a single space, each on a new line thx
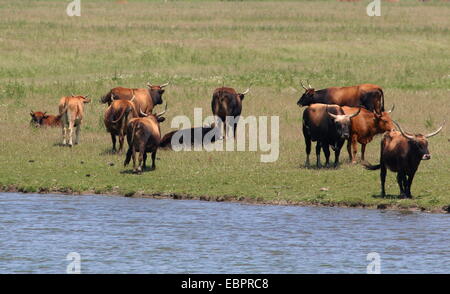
227 198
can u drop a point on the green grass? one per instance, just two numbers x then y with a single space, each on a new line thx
198 46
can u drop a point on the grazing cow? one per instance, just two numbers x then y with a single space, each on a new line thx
327 125
166 141
402 153
364 127
144 99
226 102
143 135
42 119
116 119
367 95
71 111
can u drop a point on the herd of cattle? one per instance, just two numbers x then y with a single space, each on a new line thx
332 116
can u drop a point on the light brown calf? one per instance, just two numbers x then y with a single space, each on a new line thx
71 111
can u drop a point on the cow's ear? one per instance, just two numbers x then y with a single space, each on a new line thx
161 91
241 96
161 119
31 113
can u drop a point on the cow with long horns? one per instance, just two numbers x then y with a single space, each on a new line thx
369 96
402 152
143 99
364 127
226 105
327 125
143 135
116 119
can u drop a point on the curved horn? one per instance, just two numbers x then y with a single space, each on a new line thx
330 114
143 114
309 85
246 91
303 86
164 85
149 85
354 114
403 133
161 113
392 109
73 95
132 98
85 96
112 98
435 132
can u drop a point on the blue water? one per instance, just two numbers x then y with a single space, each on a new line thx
131 235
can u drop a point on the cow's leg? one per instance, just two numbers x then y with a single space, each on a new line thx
141 156
409 183
318 146
77 134
326 151
71 125
121 141
363 151
153 159
64 134
133 156
113 139
354 149
337 152
383 179
144 166
308 145
400 181
349 149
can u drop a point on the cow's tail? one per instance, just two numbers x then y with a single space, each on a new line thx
124 110
369 166
64 112
130 143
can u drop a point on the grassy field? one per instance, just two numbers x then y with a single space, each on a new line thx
198 46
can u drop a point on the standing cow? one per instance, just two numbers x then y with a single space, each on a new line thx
368 95
42 119
143 135
116 119
402 153
327 125
364 127
144 99
71 110
226 104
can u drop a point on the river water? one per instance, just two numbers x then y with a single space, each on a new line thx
136 235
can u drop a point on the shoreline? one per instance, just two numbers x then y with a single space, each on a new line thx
231 199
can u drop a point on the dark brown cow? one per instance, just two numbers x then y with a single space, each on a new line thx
144 99
143 135
327 125
367 95
71 110
226 102
364 127
116 119
402 153
196 136
42 119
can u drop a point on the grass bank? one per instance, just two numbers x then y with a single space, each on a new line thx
198 45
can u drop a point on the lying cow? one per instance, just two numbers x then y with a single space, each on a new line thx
42 119
368 95
143 135
226 102
364 127
192 134
116 119
71 110
402 153
327 125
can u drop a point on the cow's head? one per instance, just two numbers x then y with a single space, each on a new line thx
342 123
158 116
37 118
83 99
308 97
156 92
384 122
419 142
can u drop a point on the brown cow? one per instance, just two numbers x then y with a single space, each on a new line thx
227 103
364 127
402 153
143 135
42 119
116 119
145 99
368 95
71 111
